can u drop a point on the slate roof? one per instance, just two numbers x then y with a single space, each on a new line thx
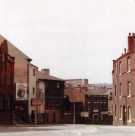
42 76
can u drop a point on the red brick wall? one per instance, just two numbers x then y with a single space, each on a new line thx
123 79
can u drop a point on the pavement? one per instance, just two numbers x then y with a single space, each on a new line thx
68 130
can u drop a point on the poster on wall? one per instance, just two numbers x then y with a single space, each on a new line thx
21 91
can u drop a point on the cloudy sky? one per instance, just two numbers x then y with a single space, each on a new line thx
74 38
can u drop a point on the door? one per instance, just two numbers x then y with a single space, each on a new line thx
124 116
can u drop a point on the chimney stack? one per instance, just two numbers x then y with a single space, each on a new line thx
131 43
45 71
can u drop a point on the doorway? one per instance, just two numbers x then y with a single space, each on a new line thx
124 116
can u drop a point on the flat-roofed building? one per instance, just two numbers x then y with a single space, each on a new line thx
97 104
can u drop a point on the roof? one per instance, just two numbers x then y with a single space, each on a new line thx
124 55
42 76
12 48
75 79
77 82
34 66
98 90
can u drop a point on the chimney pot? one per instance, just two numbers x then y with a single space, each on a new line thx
131 44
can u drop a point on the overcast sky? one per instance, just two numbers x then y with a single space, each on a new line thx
74 38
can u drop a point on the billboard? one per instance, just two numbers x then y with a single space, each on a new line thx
21 91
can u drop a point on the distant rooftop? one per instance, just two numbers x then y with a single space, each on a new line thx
99 89
42 76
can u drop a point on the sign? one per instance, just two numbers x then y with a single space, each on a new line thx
21 91
85 114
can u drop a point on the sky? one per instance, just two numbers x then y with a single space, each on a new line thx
74 38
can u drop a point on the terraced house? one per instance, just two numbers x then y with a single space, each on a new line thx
124 85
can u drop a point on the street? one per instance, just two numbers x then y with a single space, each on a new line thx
68 130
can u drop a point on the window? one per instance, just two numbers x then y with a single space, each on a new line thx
129 114
115 110
34 72
58 85
128 64
121 112
1 103
115 90
3 57
129 89
104 106
33 91
120 89
120 68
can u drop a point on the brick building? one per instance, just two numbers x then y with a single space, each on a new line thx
53 89
23 82
7 90
97 104
124 85
75 91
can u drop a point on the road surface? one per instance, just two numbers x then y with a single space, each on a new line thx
68 130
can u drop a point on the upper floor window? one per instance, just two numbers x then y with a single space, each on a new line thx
128 64
115 90
120 68
120 89
129 89
34 72
33 91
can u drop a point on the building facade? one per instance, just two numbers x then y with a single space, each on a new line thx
97 104
23 82
75 91
124 86
7 88
53 96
